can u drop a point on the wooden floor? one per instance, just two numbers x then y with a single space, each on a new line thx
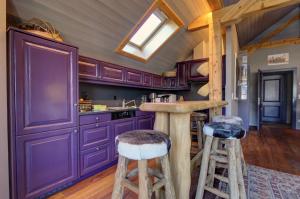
274 148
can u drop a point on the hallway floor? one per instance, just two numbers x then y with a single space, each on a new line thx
274 148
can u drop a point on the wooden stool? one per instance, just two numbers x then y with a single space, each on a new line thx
231 120
142 145
231 133
199 118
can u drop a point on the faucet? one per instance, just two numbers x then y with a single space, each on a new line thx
124 103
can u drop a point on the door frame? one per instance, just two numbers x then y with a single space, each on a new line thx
293 71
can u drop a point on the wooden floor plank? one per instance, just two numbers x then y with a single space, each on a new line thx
274 148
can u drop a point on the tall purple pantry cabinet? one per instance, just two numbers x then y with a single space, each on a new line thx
43 114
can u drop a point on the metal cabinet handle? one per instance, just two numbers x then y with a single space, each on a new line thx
97 118
75 104
97 148
75 131
97 125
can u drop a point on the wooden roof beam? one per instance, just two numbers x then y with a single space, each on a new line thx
215 4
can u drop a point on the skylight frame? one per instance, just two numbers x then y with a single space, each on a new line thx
141 53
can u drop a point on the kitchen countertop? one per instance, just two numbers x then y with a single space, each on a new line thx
181 107
107 111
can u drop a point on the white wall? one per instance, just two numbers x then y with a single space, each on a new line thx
4 184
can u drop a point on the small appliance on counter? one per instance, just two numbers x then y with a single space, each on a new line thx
152 97
167 98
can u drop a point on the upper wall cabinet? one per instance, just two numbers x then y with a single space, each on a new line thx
134 77
43 80
147 79
88 68
156 81
112 73
198 70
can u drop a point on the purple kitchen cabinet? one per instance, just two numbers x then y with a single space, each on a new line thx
170 82
182 75
119 127
156 81
147 80
145 122
46 161
134 77
43 83
112 73
88 68
94 118
193 75
95 134
95 158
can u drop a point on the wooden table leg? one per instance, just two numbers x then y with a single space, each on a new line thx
162 122
180 153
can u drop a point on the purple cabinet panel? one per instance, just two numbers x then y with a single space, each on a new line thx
95 134
145 122
182 75
193 65
139 113
46 161
88 68
147 80
170 82
156 81
45 79
94 118
95 158
133 77
119 127
112 73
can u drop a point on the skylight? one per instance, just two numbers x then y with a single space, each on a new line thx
146 30
157 25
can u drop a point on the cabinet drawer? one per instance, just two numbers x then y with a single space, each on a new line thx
92 119
142 113
95 134
95 158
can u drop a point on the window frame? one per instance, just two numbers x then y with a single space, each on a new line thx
170 15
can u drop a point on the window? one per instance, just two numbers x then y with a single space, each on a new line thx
157 25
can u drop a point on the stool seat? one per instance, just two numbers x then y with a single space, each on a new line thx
224 130
228 119
143 144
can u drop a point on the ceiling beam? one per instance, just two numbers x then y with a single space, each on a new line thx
236 12
245 8
215 4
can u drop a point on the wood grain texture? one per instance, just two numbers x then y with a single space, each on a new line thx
100 25
258 150
181 107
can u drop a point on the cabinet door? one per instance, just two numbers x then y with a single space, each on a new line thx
133 77
46 161
95 158
95 135
119 127
144 122
156 81
147 80
88 68
182 75
45 84
112 73
193 74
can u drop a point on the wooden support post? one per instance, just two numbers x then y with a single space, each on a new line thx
162 122
215 63
169 187
180 153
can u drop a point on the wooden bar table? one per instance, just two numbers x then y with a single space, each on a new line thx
174 120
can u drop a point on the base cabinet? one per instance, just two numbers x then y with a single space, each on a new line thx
46 161
145 122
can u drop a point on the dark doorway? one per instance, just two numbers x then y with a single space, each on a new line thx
275 97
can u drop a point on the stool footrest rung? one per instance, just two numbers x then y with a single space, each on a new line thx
219 158
221 165
130 185
221 178
159 184
223 152
217 192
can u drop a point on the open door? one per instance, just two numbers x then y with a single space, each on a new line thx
259 78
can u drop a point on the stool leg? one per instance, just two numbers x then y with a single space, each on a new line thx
244 165
145 188
240 178
169 187
199 135
232 171
118 190
212 163
204 167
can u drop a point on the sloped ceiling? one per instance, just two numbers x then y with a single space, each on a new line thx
98 26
